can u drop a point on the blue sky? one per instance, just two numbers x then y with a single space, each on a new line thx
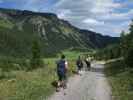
108 17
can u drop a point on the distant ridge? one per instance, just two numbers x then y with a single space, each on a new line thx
19 28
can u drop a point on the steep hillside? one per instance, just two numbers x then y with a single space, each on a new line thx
19 28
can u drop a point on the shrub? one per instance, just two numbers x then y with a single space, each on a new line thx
129 57
36 60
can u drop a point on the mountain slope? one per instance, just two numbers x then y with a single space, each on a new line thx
19 28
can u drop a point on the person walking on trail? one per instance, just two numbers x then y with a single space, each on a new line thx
62 66
88 63
79 64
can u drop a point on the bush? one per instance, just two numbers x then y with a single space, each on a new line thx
129 57
36 60
11 63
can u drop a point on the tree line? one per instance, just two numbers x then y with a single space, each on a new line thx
122 49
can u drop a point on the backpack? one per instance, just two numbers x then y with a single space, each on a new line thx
87 62
79 63
61 67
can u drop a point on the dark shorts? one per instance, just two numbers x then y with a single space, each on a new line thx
88 65
79 67
61 76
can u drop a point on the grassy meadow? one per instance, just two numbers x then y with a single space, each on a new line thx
16 83
120 79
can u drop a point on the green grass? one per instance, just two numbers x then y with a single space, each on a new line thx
32 85
121 80
72 55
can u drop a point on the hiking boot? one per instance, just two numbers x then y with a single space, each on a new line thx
57 90
64 86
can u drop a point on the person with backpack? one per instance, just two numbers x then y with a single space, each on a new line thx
79 64
62 67
88 64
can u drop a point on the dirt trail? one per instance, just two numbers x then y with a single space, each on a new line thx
91 85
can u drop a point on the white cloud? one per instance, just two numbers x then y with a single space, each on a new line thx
63 13
93 22
104 6
118 16
99 15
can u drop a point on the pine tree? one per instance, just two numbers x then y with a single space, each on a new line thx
129 56
129 49
131 28
36 56
123 43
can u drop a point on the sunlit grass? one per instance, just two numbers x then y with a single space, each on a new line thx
35 84
28 85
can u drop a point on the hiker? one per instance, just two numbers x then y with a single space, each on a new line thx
88 63
79 64
62 66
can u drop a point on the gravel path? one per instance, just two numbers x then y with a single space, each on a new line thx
91 85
